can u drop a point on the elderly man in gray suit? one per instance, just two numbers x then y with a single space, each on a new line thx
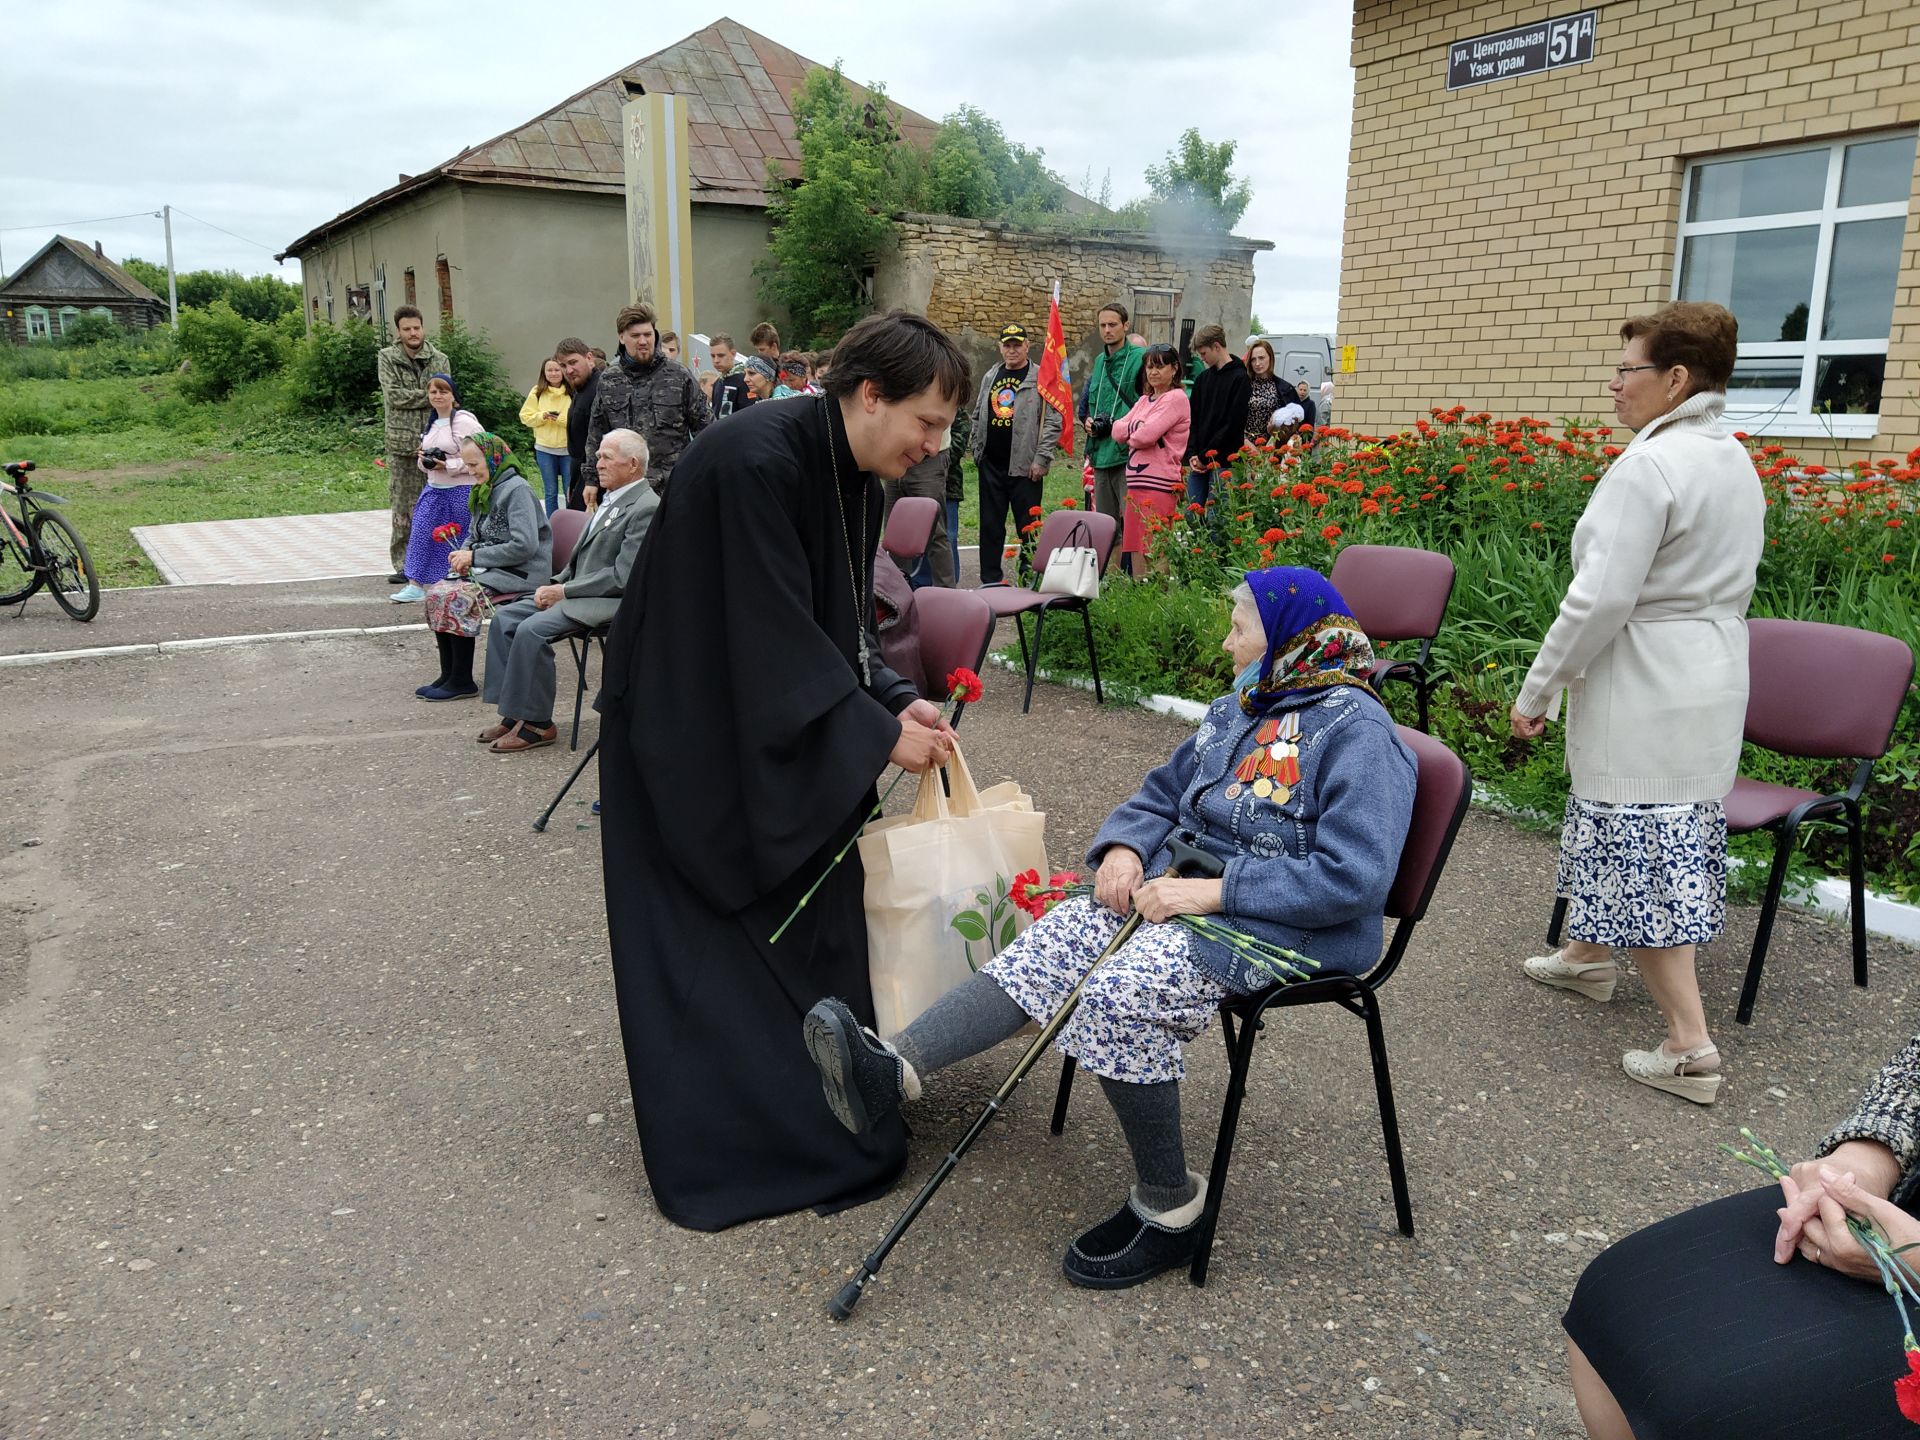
520 668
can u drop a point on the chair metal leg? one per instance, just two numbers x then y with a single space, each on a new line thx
1064 1095
1093 654
1763 932
580 651
1033 657
1422 692
1389 1115
1555 925
1223 1148
1857 882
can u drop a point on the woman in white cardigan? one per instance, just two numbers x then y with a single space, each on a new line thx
1650 648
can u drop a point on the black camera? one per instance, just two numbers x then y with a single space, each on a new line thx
434 459
1102 426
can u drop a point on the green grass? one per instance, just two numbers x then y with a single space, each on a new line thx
1062 480
130 451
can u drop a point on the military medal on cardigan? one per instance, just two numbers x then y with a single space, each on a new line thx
1272 768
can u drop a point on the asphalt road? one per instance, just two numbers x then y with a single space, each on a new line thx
314 1122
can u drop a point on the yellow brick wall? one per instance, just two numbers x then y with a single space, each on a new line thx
1497 236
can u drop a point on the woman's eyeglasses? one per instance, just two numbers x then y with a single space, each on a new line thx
1622 371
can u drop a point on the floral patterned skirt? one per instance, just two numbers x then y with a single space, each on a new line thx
1137 1010
1644 875
459 607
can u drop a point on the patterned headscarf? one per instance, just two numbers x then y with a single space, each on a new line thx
499 457
433 414
1312 638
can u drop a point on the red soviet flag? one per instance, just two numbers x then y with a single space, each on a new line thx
1055 388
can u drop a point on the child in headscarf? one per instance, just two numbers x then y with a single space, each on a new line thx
1297 782
444 499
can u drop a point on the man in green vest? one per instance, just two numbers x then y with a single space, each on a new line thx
1112 387
404 368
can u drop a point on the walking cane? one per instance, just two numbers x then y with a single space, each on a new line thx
1188 860
547 814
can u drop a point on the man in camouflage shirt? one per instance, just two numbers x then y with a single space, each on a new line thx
404 367
645 391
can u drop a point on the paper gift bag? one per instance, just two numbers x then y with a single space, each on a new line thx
938 888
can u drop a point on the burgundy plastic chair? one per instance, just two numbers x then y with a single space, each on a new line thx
1823 692
568 526
1101 531
909 528
1397 593
1439 805
955 628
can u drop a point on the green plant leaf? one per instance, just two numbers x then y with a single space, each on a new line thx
970 925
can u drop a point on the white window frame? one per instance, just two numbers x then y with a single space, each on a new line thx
1798 417
44 316
68 310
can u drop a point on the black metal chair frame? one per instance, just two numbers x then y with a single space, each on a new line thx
1242 1018
1842 809
1416 673
1030 656
582 647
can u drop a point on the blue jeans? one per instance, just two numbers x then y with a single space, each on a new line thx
1200 484
556 474
923 572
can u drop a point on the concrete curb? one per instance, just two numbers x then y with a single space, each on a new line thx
1886 917
209 642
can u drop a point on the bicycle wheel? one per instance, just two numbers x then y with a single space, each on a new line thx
18 580
70 574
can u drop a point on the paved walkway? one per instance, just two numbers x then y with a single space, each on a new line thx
281 548
314 1117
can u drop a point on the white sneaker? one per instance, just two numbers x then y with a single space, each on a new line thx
1596 982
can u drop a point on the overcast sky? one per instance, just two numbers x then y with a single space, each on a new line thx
266 119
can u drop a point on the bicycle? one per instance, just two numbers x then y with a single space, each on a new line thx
42 548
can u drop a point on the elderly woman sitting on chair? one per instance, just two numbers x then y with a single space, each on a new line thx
1297 784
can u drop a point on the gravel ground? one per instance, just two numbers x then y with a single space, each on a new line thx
313 1118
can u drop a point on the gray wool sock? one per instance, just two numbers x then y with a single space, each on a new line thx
1150 1116
975 1015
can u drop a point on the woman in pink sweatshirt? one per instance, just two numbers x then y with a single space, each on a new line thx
1155 433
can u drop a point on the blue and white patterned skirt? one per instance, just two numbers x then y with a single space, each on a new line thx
1137 1010
1644 875
438 505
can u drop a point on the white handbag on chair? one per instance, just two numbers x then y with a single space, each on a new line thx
1073 568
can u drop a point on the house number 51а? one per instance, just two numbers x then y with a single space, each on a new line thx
1569 38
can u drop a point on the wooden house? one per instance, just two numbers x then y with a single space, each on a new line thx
65 280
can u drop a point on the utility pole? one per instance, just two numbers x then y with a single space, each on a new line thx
173 294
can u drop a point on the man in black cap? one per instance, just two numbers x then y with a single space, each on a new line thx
1015 433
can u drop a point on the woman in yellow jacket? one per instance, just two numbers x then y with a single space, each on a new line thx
545 413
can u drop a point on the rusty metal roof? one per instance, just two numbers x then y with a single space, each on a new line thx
737 84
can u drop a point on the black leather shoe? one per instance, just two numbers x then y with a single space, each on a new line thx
859 1073
398 577
1133 1246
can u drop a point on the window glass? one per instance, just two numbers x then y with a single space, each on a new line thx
1764 382
1849 384
1878 172
1760 185
1861 279
68 314
1764 276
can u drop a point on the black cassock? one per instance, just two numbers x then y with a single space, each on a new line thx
739 750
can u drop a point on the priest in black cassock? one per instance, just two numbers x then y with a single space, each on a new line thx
747 718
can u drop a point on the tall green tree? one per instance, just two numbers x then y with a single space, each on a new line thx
976 172
256 297
1196 183
828 228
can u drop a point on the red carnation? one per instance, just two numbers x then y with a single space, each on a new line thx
1906 1390
964 685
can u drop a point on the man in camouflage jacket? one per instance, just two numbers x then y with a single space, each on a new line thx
404 368
645 391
